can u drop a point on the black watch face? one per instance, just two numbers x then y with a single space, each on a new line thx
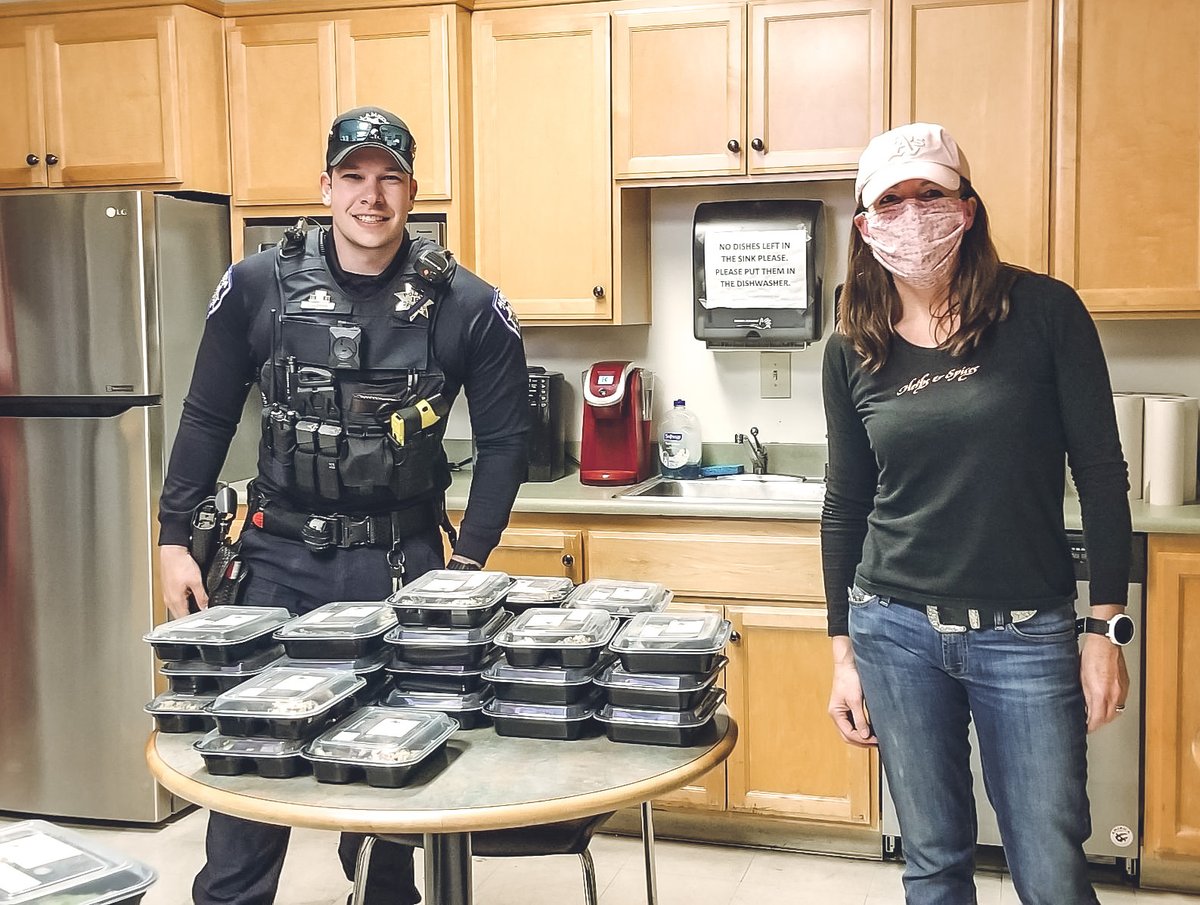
1122 630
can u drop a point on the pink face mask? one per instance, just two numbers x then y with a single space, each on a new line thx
917 240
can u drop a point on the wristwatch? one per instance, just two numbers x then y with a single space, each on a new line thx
1119 629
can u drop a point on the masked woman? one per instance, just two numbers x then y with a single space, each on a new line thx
955 388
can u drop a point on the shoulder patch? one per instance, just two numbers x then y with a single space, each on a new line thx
505 309
220 292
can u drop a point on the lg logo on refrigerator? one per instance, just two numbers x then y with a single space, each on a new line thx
111 212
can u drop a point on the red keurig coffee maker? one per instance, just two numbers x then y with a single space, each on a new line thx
616 424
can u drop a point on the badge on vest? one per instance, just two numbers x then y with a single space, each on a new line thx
318 300
412 302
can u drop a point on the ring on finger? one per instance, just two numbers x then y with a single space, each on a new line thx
1120 708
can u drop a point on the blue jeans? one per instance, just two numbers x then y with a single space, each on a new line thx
1020 684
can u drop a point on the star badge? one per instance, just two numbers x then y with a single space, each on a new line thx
408 298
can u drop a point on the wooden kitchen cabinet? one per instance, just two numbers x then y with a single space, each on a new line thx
1127 173
539 551
1171 843
114 97
693 96
290 76
790 761
981 68
543 174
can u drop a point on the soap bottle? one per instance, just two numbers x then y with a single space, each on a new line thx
679 443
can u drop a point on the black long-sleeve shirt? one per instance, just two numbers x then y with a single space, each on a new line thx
476 341
946 475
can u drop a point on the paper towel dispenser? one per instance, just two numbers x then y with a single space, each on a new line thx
757 273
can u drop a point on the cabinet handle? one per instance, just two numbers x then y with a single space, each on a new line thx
734 146
568 560
51 160
734 637
758 145
33 160
598 291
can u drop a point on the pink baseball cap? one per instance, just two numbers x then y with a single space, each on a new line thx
914 151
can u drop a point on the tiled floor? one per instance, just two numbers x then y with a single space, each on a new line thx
688 874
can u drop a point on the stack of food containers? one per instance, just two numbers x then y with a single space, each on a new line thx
449 621
663 690
543 684
344 635
44 864
622 599
263 724
207 653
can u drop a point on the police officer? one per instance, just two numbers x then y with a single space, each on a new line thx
360 338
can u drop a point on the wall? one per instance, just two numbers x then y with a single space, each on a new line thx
723 387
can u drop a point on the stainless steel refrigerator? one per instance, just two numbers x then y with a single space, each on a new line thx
103 297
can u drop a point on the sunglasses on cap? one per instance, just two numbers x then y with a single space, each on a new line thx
355 131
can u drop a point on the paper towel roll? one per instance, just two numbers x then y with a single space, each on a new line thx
1129 408
1165 429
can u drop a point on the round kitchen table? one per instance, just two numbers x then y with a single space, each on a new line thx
487 782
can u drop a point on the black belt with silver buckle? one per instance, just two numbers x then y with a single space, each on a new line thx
326 532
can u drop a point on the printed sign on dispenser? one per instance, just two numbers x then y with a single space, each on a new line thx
756 268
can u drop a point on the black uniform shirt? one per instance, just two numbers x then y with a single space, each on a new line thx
476 341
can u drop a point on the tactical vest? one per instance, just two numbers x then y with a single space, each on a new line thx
354 413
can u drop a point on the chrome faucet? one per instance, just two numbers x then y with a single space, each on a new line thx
757 453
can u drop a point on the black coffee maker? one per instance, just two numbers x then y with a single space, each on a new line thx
548 438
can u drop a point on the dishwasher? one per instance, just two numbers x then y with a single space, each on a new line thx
1114 751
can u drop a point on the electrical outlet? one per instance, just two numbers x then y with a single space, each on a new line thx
775 375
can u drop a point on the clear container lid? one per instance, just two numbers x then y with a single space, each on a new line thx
252 665
686 719
559 677
615 676
220 625
545 626
453 671
288 692
215 743
383 736
621 598
682 633
44 863
366 665
545 590
340 620
441 636
554 713
448 589
444 701
170 703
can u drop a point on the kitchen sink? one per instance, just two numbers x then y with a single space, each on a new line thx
740 488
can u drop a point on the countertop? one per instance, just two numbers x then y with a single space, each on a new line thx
568 496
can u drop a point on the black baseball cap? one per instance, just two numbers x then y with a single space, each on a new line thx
370 127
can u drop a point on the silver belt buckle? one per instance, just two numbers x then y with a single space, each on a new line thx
931 613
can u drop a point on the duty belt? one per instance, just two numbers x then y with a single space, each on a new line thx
328 531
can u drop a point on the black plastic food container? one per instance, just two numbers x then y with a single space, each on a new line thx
656 691
546 636
672 642
466 709
371 668
661 727
269 758
549 721
542 685
198 677
44 864
530 591
623 599
446 679
467 647
449 598
174 712
286 702
383 746
342 630
222 635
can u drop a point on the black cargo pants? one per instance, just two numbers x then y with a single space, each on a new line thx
245 858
